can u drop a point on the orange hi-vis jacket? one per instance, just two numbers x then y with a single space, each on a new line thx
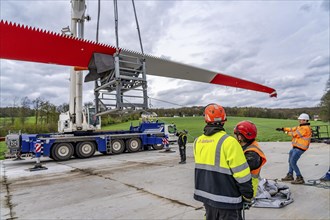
301 136
255 174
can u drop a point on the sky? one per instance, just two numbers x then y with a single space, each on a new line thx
280 44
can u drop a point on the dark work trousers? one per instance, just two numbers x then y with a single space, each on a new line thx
222 214
182 149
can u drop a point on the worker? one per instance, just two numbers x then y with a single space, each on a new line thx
182 140
301 138
246 133
222 174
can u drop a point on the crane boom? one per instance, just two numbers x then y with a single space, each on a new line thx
78 8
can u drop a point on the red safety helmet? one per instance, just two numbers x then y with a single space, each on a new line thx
214 113
247 129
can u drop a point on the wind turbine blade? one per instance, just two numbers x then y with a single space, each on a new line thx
19 42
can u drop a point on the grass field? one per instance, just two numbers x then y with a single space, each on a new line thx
3 150
7 120
195 125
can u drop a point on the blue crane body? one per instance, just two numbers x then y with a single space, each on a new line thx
83 144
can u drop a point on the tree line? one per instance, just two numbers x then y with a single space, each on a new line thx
45 112
280 113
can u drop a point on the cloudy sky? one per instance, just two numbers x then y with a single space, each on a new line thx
280 44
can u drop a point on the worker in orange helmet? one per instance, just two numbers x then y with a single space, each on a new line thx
246 133
301 138
222 174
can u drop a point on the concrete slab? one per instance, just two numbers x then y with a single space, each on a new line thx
145 185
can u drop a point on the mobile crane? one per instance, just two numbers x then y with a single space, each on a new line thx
78 133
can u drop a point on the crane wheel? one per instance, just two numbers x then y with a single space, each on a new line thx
133 144
62 151
85 149
117 146
158 146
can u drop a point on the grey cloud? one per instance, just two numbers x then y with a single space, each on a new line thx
299 93
325 5
22 79
231 56
318 75
305 100
317 82
306 7
298 100
288 83
153 24
319 61
26 12
231 62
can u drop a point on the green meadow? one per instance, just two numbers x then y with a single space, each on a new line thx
195 125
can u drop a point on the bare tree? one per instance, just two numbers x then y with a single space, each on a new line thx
47 112
63 108
36 106
13 112
25 106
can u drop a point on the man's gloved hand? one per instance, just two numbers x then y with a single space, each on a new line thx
279 129
247 203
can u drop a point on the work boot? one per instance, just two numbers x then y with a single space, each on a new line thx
289 177
298 180
182 162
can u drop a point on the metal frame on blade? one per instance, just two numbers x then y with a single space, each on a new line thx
112 91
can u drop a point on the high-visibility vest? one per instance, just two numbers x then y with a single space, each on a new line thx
222 174
255 174
301 136
182 139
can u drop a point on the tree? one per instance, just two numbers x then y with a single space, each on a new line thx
47 112
325 104
13 112
63 108
24 110
36 105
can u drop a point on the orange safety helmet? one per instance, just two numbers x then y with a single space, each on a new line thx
247 129
214 113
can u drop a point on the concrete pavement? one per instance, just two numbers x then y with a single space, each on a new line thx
145 185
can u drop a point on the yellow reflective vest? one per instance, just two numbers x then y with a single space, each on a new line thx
182 139
222 175
301 136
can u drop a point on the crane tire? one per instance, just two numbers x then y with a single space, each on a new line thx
117 146
62 151
133 144
158 146
85 149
